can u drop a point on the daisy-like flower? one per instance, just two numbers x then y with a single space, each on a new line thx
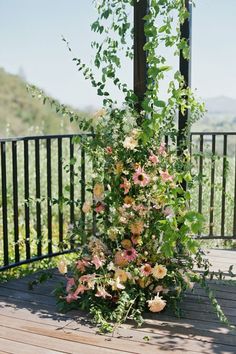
159 271
166 177
146 269
140 177
153 159
126 185
128 201
157 304
98 192
130 143
137 227
130 254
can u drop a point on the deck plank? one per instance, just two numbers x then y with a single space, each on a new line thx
30 322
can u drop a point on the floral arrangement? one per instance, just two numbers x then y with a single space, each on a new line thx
141 253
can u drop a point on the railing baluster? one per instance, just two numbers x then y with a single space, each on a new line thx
72 189
4 204
83 191
60 194
234 216
38 196
224 186
27 209
200 173
212 192
49 194
15 200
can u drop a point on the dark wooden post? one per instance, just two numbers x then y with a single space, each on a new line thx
140 56
185 70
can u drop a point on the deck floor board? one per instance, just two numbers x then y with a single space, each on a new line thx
31 323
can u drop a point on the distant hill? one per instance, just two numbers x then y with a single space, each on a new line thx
20 114
221 105
220 115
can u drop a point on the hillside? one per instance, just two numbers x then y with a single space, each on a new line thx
220 115
20 114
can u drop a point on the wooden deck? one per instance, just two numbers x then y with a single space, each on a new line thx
30 323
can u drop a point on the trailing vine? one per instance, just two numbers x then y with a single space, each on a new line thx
142 253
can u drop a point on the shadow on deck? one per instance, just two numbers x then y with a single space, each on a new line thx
30 322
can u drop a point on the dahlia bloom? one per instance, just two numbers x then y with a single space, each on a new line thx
157 304
140 177
159 271
137 227
130 254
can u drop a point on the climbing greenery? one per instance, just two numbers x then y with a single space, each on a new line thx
141 252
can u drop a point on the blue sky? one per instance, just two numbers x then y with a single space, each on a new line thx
30 38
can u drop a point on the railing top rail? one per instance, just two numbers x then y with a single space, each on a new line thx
213 133
43 137
55 136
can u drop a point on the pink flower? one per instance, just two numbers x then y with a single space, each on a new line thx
165 176
108 150
89 279
140 177
70 284
97 262
101 292
162 149
154 159
81 265
80 289
146 269
99 207
71 297
130 254
169 213
126 185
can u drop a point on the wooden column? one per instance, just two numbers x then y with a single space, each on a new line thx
185 70
140 56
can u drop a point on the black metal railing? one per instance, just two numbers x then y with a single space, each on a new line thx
43 190
44 179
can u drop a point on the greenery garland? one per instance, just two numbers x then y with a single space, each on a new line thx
142 254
